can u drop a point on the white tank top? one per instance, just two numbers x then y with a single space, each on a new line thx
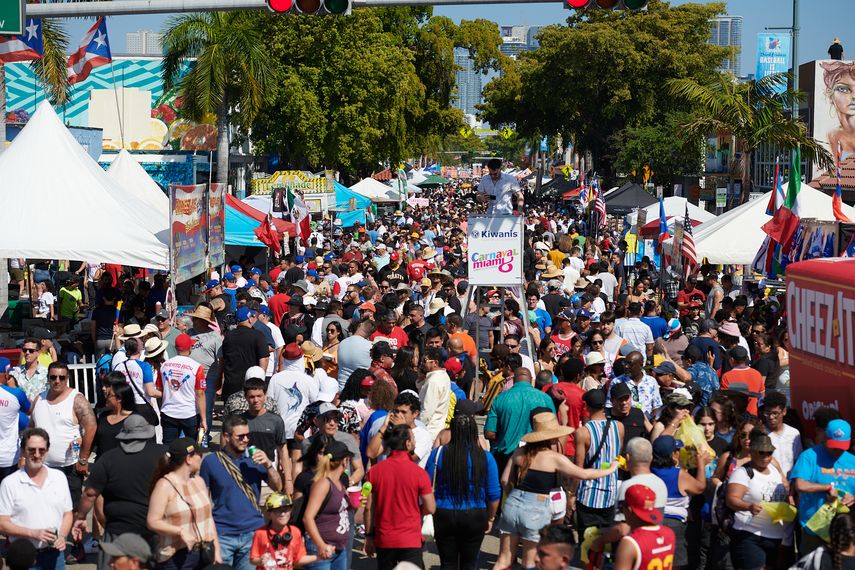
58 421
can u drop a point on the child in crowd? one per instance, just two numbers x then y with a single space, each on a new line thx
278 544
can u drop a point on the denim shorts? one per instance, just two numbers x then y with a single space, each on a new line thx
525 514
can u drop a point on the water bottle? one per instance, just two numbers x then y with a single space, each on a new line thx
75 448
201 440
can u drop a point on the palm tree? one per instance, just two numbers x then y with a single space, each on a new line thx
232 70
50 70
753 113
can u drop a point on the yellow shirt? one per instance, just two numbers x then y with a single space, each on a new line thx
557 257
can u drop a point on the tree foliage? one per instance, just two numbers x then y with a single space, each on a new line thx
754 112
376 86
605 72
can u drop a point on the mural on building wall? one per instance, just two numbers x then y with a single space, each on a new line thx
125 99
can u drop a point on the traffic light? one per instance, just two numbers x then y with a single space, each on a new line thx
313 7
606 4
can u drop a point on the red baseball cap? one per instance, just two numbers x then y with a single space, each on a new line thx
453 366
394 256
183 342
641 501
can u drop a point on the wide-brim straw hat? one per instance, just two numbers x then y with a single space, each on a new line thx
154 346
546 427
130 331
552 272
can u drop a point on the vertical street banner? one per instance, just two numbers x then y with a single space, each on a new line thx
773 55
188 222
216 224
495 251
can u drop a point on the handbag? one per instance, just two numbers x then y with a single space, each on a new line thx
205 548
427 523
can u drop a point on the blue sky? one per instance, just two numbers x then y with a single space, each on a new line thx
821 21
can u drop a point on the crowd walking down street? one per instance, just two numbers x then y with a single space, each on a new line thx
357 404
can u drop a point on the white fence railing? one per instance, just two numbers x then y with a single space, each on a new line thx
83 378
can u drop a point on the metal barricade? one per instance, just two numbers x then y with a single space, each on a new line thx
83 378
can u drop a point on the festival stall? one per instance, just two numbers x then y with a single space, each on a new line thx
628 198
375 191
58 203
350 206
675 206
736 236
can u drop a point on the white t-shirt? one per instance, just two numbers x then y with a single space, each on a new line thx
503 190
46 299
788 447
31 506
180 377
11 402
650 481
292 390
762 487
278 342
609 284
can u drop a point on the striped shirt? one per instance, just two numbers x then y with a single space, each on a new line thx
600 493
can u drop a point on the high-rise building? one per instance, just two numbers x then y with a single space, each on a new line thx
144 42
469 82
726 31
517 39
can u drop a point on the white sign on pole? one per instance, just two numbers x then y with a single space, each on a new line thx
721 197
495 253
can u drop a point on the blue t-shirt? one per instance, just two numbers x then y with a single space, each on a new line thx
458 392
658 325
542 320
706 344
233 513
477 498
818 466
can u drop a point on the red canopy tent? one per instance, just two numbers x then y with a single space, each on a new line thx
651 228
281 225
570 194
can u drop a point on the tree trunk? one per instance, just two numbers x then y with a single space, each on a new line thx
223 143
746 174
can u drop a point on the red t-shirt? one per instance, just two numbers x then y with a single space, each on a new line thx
655 546
684 297
115 271
286 557
562 346
274 273
576 410
396 339
750 377
416 269
278 305
398 483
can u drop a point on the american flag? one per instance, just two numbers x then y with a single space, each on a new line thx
93 52
25 47
599 205
687 249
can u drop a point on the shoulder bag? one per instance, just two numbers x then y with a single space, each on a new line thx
427 522
145 409
206 550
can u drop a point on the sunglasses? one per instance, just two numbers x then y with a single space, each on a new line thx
240 436
36 450
57 377
29 350
598 342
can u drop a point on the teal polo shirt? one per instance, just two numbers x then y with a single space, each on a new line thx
509 415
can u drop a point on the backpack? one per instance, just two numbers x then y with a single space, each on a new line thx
103 367
812 560
722 515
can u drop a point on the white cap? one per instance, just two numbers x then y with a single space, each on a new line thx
328 389
254 372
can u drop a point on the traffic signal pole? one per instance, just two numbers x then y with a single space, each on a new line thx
134 7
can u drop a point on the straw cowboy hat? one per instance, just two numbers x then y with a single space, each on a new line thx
552 272
154 346
546 427
130 331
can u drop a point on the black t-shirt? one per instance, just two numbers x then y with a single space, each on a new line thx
555 303
393 276
846 562
104 317
835 51
633 425
767 366
719 445
123 480
266 432
105 435
242 347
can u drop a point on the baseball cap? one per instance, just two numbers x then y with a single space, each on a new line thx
665 368
264 310
183 446
183 342
673 326
641 501
243 314
394 256
277 501
620 391
162 314
228 276
128 544
211 284
255 372
250 283
838 434
584 314
453 366
665 445
336 451
255 271
312 272
236 269
327 408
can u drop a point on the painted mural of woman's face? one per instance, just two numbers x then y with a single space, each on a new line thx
843 96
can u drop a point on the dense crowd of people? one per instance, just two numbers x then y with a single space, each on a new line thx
608 414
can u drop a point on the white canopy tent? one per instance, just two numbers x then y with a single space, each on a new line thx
417 176
735 237
58 203
141 191
375 190
675 206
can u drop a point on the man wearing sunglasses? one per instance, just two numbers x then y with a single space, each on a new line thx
31 377
35 503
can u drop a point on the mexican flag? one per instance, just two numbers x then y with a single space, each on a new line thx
299 215
786 219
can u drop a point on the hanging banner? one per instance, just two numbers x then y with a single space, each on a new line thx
495 251
773 55
418 202
189 225
279 198
216 225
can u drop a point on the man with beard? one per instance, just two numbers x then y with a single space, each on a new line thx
395 272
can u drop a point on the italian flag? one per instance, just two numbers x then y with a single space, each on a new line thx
299 215
785 222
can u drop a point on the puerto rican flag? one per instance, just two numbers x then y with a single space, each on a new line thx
94 51
24 47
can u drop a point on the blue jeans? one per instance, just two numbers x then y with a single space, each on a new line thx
337 562
173 428
50 560
234 549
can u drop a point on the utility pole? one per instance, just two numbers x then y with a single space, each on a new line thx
796 55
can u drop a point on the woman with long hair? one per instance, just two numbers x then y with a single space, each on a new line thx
783 385
326 519
767 360
467 491
839 554
545 356
725 416
180 511
737 453
530 476
405 371
353 395
334 336
119 399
